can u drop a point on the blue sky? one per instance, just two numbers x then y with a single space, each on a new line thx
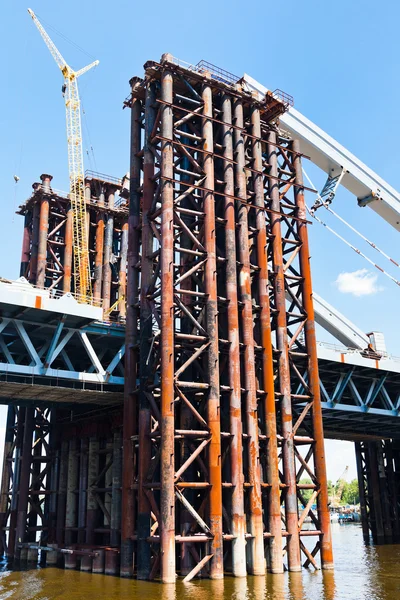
340 63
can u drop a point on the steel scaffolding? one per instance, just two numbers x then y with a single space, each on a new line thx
222 337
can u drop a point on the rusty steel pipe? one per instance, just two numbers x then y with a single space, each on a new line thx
91 509
43 230
62 494
35 244
24 482
238 518
275 561
130 391
213 406
83 489
311 345
289 465
122 271
26 246
68 251
108 251
6 472
99 248
145 369
115 525
167 530
72 485
255 550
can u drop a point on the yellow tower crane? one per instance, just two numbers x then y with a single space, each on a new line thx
83 283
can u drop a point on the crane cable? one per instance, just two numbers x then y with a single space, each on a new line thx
356 250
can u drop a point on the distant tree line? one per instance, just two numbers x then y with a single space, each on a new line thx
350 491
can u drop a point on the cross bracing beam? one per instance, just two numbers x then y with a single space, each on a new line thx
51 351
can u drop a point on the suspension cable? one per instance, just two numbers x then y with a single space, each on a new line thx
356 250
328 208
312 214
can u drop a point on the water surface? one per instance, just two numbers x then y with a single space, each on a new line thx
361 573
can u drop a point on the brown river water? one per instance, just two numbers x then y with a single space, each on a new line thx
361 573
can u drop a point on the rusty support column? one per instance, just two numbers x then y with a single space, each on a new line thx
361 490
26 460
108 251
43 230
255 547
72 485
375 498
83 490
311 345
167 338
62 494
130 391
6 474
391 479
289 466
93 470
144 510
384 494
213 407
115 526
122 271
26 245
238 518
99 247
35 243
16 480
68 251
275 561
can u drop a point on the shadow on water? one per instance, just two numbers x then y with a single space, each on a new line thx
361 573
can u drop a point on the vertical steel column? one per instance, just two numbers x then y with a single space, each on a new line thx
108 250
26 460
210 279
391 478
43 230
122 271
68 251
238 518
72 485
26 243
167 529
6 474
255 549
274 506
144 511
83 490
115 535
289 466
99 247
93 470
384 494
311 346
35 243
62 494
130 391
373 485
16 480
361 490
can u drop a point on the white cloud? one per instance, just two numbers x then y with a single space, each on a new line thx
358 283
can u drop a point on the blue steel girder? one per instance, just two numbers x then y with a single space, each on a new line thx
46 352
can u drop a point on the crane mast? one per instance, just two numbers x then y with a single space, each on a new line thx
82 277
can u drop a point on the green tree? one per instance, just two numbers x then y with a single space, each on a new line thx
306 493
350 493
